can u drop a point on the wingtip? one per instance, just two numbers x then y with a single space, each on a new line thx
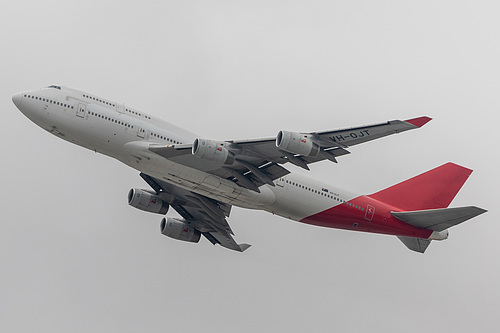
243 247
480 210
420 121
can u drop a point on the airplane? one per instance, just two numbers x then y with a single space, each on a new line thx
202 179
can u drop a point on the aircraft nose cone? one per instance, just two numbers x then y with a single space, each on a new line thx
17 99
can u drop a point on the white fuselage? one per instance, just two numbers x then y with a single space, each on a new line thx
125 134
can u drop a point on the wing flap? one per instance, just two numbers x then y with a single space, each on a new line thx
225 241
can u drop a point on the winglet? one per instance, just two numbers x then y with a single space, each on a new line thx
419 122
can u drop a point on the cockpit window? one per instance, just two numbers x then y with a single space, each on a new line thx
55 87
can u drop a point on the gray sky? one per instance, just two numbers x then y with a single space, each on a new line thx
75 257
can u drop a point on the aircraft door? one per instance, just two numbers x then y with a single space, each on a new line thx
119 108
80 110
370 211
141 132
280 182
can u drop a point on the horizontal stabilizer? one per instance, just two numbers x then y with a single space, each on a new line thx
415 244
438 219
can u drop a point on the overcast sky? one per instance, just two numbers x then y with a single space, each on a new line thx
76 258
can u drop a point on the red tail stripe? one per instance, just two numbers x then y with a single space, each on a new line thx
433 189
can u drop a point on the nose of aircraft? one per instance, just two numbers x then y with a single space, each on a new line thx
17 99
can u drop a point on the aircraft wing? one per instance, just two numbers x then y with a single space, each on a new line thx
252 163
204 214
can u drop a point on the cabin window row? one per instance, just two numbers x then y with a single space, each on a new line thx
325 194
111 119
136 113
99 100
46 100
113 105
164 138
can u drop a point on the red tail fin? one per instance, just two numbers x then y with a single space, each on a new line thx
431 190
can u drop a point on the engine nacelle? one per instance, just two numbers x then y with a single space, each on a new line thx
212 151
296 143
147 201
179 230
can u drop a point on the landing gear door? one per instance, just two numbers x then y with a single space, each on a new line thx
80 110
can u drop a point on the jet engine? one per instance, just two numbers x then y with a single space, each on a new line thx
212 151
297 143
147 201
180 230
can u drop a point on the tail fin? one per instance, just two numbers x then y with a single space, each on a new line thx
431 190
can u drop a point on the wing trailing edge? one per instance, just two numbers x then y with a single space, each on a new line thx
225 241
